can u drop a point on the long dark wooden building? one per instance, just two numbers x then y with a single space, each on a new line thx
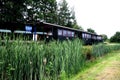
47 31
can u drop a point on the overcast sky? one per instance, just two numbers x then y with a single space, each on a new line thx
101 15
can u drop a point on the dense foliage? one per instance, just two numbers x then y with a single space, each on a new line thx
90 30
115 37
33 10
104 36
11 10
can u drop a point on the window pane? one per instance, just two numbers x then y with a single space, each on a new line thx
59 32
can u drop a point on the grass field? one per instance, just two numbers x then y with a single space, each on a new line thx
105 68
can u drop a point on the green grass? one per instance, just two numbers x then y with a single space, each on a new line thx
95 68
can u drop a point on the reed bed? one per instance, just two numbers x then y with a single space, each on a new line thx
56 60
36 61
103 49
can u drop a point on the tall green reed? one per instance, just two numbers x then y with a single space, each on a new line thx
20 60
102 49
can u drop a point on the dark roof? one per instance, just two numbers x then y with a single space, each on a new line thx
59 26
14 25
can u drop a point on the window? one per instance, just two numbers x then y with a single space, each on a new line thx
89 36
94 37
64 33
82 35
99 38
59 32
69 33
73 34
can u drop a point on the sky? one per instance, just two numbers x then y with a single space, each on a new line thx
103 16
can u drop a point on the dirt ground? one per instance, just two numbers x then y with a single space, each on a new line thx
107 69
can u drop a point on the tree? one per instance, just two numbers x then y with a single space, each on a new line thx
73 21
104 36
28 10
33 10
115 37
45 10
90 30
49 10
64 15
78 27
11 10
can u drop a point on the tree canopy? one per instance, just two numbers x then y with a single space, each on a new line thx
104 36
11 10
115 37
90 30
31 10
